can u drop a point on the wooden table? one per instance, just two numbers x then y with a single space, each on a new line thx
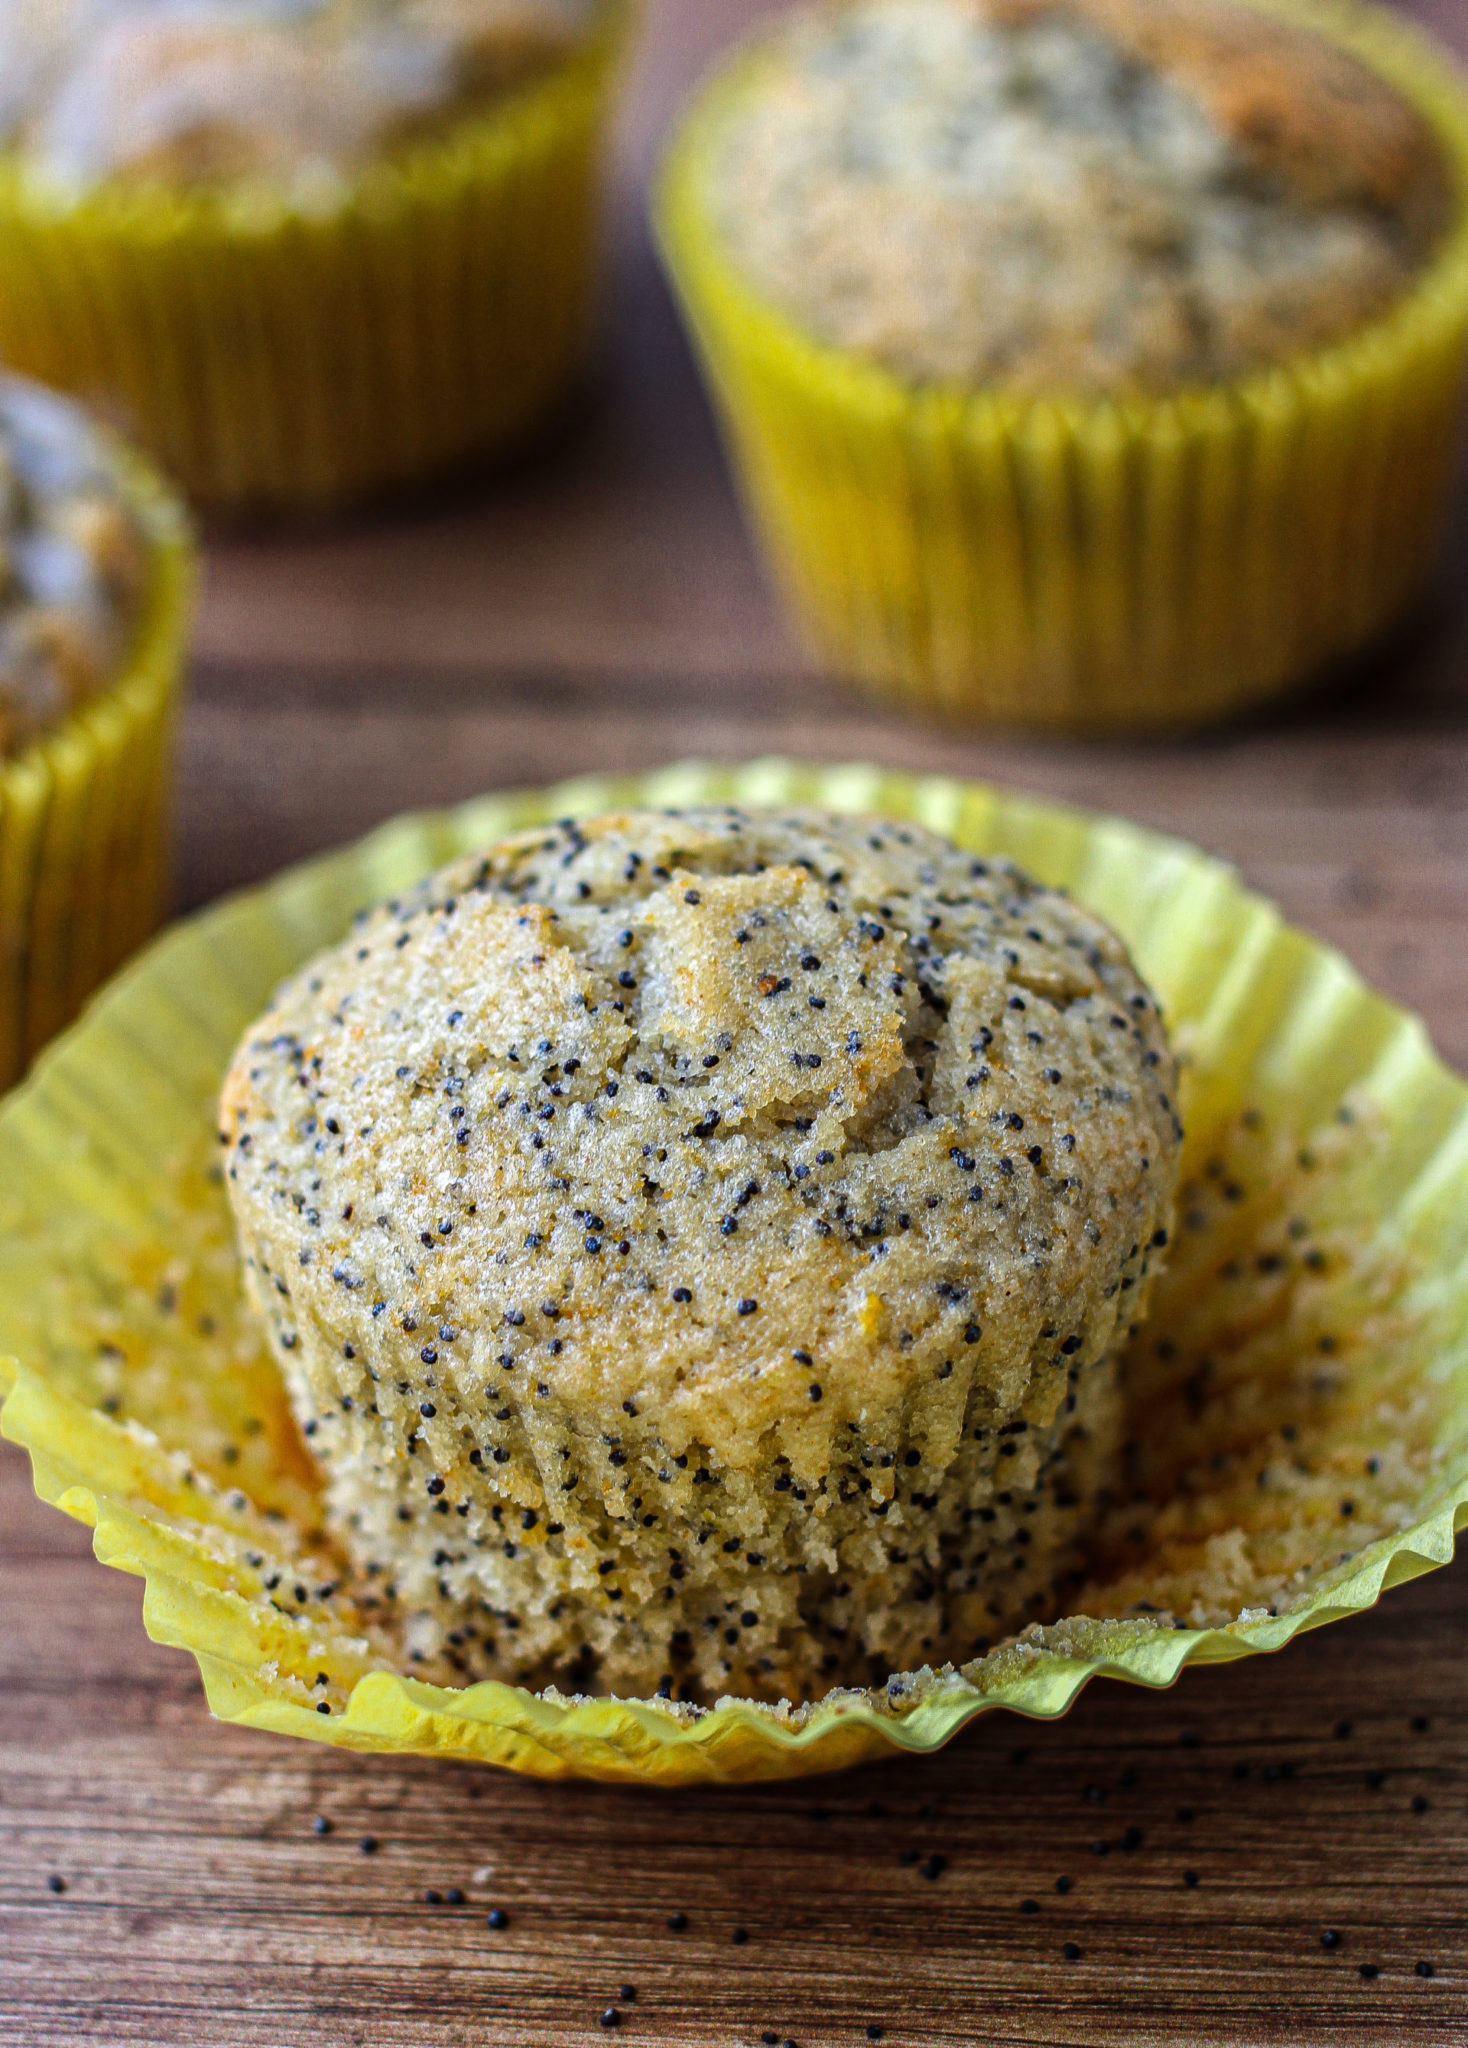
601 608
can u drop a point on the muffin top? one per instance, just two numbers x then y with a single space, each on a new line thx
202 92
72 563
1081 195
732 1114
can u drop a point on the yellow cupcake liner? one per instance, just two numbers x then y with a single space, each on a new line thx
152 1411
84 810
278 355
1090 563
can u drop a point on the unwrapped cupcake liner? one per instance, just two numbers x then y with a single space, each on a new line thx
1091 563
275 353
144 1393
84 813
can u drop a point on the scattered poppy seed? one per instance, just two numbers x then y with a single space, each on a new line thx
497 1918
1369 1971
368 1845
1190 1879
1331 1938
56 1884
739 1936
1425 1969
453 1896
677 1922
611 2017
320 1825
1062 1885
1072 1951
1029 1905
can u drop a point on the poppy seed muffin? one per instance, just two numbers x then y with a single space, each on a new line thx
697 1245
304 251
1073 195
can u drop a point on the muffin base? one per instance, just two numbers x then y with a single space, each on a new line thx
894 1564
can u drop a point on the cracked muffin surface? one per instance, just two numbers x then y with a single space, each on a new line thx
1073 195
697 1246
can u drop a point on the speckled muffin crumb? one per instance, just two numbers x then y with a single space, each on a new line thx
697 1246
1072 194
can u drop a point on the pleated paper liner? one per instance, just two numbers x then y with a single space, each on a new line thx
279 356
84 810
1313 1326
1081 563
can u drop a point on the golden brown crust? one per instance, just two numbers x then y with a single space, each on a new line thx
1301 109
210 96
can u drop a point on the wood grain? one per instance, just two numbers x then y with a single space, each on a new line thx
600 608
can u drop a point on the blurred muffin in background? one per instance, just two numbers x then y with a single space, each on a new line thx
1076 197
93 595
303 248
72 567
1089 361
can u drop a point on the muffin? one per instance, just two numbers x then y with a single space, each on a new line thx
1084 197
75 562
697 1246
93 590
1087 361
303 251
